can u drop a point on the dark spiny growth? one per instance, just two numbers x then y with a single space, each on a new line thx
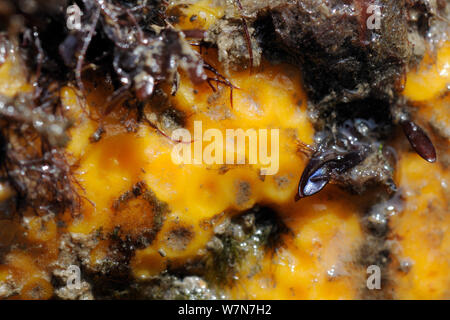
254 232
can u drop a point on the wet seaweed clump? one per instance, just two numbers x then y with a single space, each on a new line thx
32 162
139 48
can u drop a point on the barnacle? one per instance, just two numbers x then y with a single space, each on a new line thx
88 120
